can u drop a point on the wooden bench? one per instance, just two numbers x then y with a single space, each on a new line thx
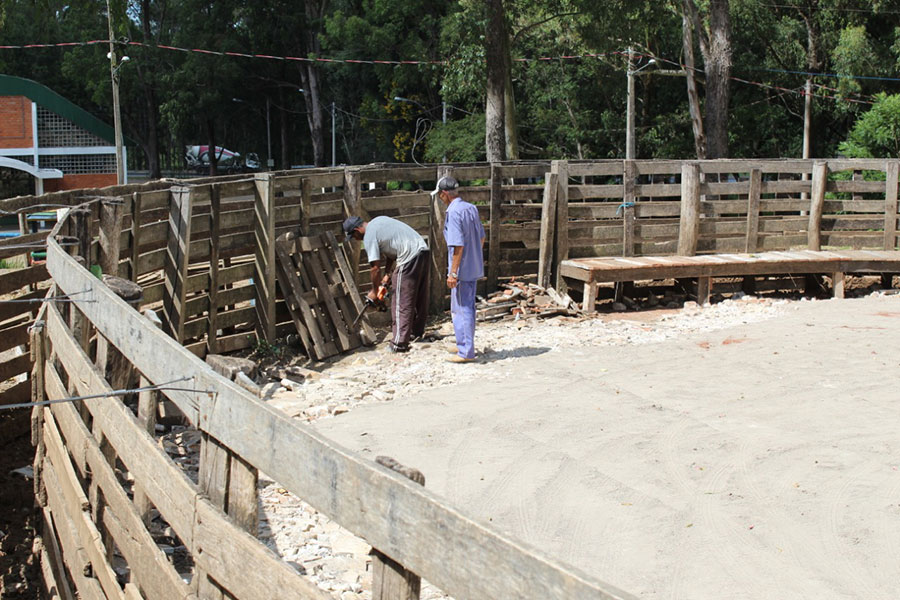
593 271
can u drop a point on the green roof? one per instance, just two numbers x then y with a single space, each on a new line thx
41 94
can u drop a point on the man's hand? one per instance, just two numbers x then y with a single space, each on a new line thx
452 281
372 296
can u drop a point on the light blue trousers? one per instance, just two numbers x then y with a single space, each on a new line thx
462 310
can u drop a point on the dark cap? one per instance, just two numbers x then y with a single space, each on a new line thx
350 224
444 184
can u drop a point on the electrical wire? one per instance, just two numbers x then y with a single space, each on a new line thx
161 387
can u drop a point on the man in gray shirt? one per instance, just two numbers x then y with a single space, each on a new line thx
397 254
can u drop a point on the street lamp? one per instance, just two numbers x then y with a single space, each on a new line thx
629 109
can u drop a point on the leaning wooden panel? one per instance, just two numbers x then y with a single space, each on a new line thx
406 522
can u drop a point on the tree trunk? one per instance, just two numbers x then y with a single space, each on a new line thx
715 45
718 79
509 104
495 105
150 103
690 76
309 75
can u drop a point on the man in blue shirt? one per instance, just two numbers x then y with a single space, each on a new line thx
464 235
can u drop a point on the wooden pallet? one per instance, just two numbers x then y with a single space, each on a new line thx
321 294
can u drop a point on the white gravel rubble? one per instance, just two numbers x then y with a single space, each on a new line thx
337 561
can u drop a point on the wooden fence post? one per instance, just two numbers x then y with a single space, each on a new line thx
181 208
135 250
816 205
494 231
628 200
111 212
561 169
689 223
264 254
438 249
80 219
390 580
353 207
892 169
38 341
148 405
548 230
305 205
213 293
752 242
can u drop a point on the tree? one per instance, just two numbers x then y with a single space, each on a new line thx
876 133
713 31
497 57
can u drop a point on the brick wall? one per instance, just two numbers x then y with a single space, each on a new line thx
15 122
75 182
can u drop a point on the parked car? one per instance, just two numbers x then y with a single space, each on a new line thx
197 159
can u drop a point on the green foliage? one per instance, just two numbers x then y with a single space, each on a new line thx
876 133
566 108
460 141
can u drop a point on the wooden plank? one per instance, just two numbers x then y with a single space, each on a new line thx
13 246
177 258
816 203
689 223
64 484
212 316
305 205
380 204
368 334
17 394
18 278
111 214
561 169
494 230
13 336
837 284
548 231
73 553
292 288
390 580
14 309
148 406
890 204
628 203
264 253
314 263
439 259
225 551
165 484
753 211
396 516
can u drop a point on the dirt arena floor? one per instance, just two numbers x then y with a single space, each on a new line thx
757 461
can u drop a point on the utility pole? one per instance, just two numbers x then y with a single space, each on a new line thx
117 115
333 138
629 109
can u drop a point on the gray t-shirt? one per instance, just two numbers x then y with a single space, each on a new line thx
388 238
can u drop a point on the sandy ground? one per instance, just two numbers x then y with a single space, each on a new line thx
758 460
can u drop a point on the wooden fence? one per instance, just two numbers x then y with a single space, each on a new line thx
100 472
203 250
